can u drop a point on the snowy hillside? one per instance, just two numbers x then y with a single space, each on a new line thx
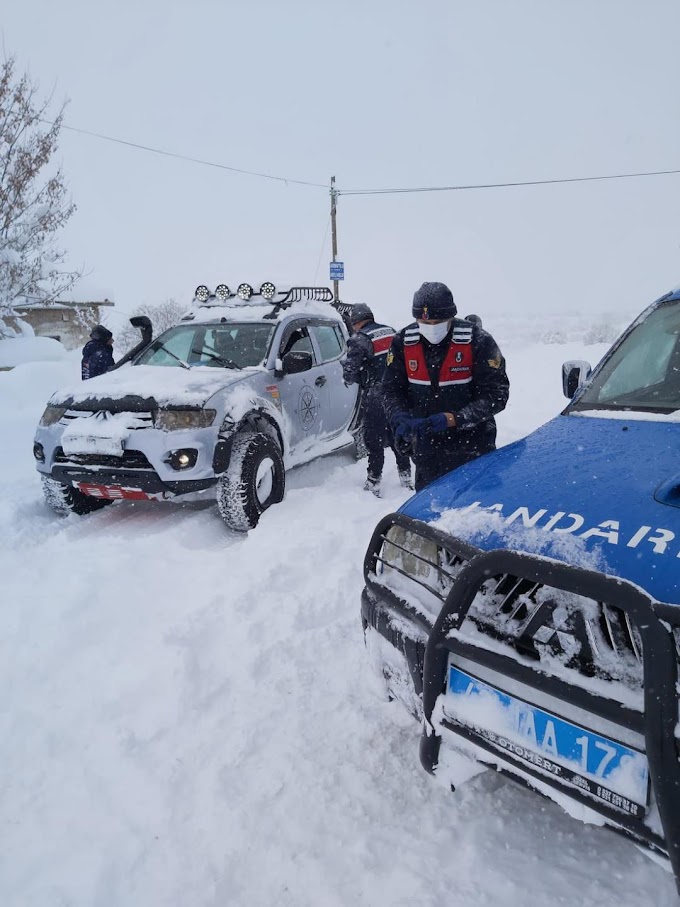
188 717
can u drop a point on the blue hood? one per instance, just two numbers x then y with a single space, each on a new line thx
601 493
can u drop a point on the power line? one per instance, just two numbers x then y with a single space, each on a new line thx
461 188
374 191
185 157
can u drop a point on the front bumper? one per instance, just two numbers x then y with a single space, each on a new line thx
429 647
149 482
144 463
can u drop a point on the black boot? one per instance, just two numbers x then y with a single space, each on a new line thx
372 484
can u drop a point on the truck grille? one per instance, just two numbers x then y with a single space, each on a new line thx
131 459
137 419
543 623
535 620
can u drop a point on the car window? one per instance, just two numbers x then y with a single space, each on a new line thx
329 343
243 344
229 345
166 349
644 371
297 341
341 337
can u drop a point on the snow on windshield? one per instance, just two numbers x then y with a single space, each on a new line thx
233 345
644 371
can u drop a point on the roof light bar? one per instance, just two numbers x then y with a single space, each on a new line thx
267 290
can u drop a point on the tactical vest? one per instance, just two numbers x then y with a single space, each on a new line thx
381 336
453 387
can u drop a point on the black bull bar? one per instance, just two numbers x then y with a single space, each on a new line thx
653 620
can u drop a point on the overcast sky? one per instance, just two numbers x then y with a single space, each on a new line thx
381 93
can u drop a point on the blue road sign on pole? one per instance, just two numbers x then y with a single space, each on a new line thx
337 270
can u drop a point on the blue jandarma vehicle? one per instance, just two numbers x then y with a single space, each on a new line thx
526 607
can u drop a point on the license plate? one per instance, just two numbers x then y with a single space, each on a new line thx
114 492
610 771
92 444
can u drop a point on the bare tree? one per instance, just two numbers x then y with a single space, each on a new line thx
34 203
164 315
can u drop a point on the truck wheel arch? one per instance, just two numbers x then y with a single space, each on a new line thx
257 421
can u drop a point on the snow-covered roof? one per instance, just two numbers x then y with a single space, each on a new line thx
257 311
58 304
271 302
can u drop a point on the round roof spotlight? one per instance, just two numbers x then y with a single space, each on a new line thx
222 291
245 291
267 290
202 293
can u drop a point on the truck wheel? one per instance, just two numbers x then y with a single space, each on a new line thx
254 480
65 499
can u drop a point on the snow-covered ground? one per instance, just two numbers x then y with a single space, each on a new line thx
188 717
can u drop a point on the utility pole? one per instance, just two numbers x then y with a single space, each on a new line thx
334 234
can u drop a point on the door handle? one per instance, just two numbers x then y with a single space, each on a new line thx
320 381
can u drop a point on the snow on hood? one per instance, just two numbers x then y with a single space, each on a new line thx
166 385
476 524
592 492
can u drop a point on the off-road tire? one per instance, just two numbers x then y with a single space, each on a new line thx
65 499
240 499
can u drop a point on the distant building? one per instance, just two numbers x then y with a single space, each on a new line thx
68 322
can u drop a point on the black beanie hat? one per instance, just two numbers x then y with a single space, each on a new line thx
360 312
434 301
99 332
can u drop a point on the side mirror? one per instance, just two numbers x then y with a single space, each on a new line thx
575 373
296 361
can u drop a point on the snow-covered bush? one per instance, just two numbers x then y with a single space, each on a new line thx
604 331
163 315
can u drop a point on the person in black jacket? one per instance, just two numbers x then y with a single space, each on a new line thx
367 350
97 353
444 381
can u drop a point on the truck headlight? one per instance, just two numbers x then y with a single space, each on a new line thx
410 553
178 419
52 414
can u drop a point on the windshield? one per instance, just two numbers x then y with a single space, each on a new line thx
232 345
644 372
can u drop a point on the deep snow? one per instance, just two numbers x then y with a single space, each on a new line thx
188 716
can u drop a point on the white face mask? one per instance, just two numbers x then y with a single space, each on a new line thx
434 333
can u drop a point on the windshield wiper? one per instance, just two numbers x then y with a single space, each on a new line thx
216 357
162 346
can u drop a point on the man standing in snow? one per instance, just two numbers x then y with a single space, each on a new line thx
365 364
444 382
97 353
